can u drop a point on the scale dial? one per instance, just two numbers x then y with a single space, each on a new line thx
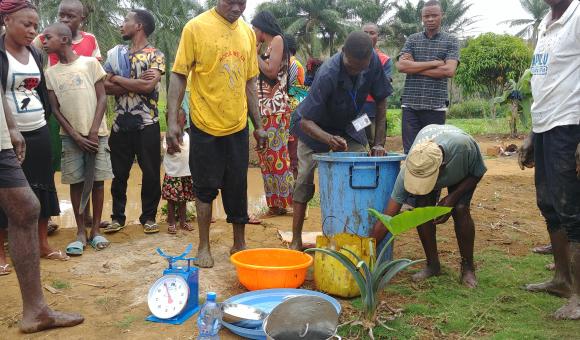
168 296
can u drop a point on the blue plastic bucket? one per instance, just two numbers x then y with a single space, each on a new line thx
350 183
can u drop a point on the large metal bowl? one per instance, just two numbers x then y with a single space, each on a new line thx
243 315
302 318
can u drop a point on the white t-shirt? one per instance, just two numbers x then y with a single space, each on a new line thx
21 94
177 165
5 142
556 72
74 87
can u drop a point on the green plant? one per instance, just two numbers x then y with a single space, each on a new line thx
518 96
372 278
472 108
59 284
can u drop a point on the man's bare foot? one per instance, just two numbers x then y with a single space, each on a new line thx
237 248
426 273
560 289
48 319
468 278
571 311
296 245
551 267
204 259
543 250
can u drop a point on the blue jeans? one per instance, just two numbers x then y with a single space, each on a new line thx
557 186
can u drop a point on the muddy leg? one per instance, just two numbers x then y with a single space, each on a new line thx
561 283
571 311
297 224
428 235
44 247
239 238
465 233
22 208
204 259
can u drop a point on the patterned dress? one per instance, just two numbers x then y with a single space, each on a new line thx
275 160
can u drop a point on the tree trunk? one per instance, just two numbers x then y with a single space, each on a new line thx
514 118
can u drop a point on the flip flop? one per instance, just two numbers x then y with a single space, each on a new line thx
75 248
57 255
254 220
113 228
186 227
99 242
5 269
150 228
172 229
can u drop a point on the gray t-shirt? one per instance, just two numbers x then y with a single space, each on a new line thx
462 158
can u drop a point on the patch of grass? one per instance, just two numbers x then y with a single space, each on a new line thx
59 284
126 322
497 309
107 302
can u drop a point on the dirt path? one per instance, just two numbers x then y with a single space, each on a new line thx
504 210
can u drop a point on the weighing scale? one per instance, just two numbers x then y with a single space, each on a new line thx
174 297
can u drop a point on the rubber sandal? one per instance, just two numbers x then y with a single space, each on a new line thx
254 220
99 240
150 228
75 248
186 227
5 269
57 255
113 228
543 250
172 229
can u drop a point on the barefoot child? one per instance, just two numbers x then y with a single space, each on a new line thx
177 186
78 98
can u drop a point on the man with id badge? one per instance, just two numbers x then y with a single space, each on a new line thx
330 117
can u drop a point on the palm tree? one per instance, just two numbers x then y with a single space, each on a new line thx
316 23
537 10
407 19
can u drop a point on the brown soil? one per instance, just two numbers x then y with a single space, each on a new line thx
504 210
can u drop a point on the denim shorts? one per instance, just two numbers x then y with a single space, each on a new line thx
73 161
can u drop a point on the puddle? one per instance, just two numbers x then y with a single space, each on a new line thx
256 198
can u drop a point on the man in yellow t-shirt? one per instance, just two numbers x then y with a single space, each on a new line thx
219 50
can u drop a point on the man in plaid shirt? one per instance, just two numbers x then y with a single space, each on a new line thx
428 58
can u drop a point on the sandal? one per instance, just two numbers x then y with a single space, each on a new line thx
254 220
75 248
5 269
99 242
57 255
113 227
172 229
150 228
186 227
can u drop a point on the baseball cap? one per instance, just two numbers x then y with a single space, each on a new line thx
422 168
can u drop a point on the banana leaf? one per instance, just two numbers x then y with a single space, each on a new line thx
409 219
394 271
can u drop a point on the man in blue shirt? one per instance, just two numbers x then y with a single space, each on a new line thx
330 117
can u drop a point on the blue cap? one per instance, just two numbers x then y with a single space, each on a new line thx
211 296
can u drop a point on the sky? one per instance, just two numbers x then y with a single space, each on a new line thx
489 12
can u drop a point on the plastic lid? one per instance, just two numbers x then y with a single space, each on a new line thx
211 296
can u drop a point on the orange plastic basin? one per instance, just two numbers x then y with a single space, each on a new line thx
268 268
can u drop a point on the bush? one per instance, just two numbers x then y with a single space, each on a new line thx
473 108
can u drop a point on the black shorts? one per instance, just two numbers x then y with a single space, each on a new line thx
221 163
11 174
557 187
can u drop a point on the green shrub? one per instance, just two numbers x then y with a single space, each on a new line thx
473 108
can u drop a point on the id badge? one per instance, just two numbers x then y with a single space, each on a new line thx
361 122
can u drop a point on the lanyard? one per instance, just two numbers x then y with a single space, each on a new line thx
353 95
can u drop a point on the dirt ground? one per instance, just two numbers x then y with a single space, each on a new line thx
110 287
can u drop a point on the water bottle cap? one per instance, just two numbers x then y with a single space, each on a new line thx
211 296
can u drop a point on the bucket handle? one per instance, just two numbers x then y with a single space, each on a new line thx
368 167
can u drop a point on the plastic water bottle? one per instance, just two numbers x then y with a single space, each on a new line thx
209 319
